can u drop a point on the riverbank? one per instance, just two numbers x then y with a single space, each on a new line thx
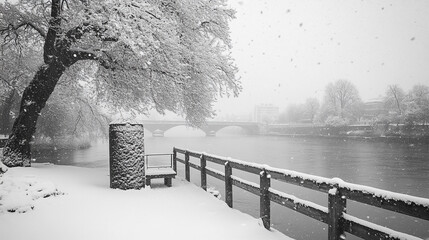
385 139
418 134
64 202
48 144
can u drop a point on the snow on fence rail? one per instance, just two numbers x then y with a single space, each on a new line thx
338 192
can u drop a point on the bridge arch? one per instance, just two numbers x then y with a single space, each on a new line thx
232 131
211 130
184 131
158 128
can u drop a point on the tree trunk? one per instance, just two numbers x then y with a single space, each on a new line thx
17 150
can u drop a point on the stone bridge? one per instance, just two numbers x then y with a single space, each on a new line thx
157 128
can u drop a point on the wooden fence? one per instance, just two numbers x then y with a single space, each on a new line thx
338 193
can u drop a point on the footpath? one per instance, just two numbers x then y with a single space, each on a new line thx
65 202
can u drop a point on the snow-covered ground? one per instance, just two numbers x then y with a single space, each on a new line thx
64 202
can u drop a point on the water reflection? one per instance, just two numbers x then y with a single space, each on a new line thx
95 156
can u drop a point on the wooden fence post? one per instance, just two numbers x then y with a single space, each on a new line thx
264 208
228 184
187 169
336 206
203 164
174 159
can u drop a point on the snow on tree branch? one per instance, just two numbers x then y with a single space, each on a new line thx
17 22
151 54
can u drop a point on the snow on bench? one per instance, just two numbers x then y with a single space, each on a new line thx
167 172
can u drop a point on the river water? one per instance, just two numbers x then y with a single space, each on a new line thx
397 167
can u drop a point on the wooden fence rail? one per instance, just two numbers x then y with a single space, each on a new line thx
338 192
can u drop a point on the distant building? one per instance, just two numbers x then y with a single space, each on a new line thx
266 113
372 109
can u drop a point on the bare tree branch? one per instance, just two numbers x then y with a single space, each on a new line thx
38 29
13 28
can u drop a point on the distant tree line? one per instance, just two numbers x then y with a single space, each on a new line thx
409 108
343 106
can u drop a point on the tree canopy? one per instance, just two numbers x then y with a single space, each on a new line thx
142 54
170 55
342 100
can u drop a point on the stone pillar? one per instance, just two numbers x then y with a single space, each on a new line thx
126 151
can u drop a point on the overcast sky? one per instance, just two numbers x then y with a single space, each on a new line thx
287 51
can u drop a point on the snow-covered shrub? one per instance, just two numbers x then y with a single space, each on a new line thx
17 194
336 121
214 192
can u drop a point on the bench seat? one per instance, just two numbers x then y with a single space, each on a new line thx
166 173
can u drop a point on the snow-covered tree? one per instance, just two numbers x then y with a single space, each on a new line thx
394 99
163 54
341 100
17 65
417 105
312 107
303 113
293 113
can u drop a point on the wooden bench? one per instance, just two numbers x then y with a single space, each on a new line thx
159 171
